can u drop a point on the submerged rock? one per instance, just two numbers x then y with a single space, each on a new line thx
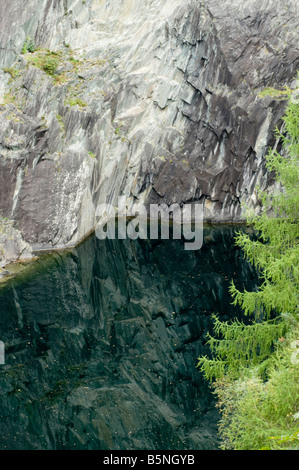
159 101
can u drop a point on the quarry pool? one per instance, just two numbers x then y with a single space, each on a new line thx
101 344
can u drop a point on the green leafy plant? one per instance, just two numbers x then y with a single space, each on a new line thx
50 64
48 61
75 61
258 413
28 46
76 102
276 251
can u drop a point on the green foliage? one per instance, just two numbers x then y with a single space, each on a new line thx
29 46
46 60
290 441
237 346
12 72
257 414
74 61
274 93
50 64
256 366
76 102
276 252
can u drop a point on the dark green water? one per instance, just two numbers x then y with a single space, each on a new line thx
101 345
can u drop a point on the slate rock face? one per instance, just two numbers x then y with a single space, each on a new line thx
154 100
12 246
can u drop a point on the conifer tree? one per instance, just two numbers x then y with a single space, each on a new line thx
247 358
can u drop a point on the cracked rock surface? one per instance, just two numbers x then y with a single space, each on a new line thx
12 246
155 100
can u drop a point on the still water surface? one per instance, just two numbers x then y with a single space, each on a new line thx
101 344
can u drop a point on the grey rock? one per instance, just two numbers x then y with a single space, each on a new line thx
164 95
12 246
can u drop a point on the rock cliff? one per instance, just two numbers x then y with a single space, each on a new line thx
157 100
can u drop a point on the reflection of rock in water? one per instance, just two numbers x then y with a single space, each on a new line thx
106 355
2 352
157 100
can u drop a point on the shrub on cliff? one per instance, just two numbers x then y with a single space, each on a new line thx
29 46
48 61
